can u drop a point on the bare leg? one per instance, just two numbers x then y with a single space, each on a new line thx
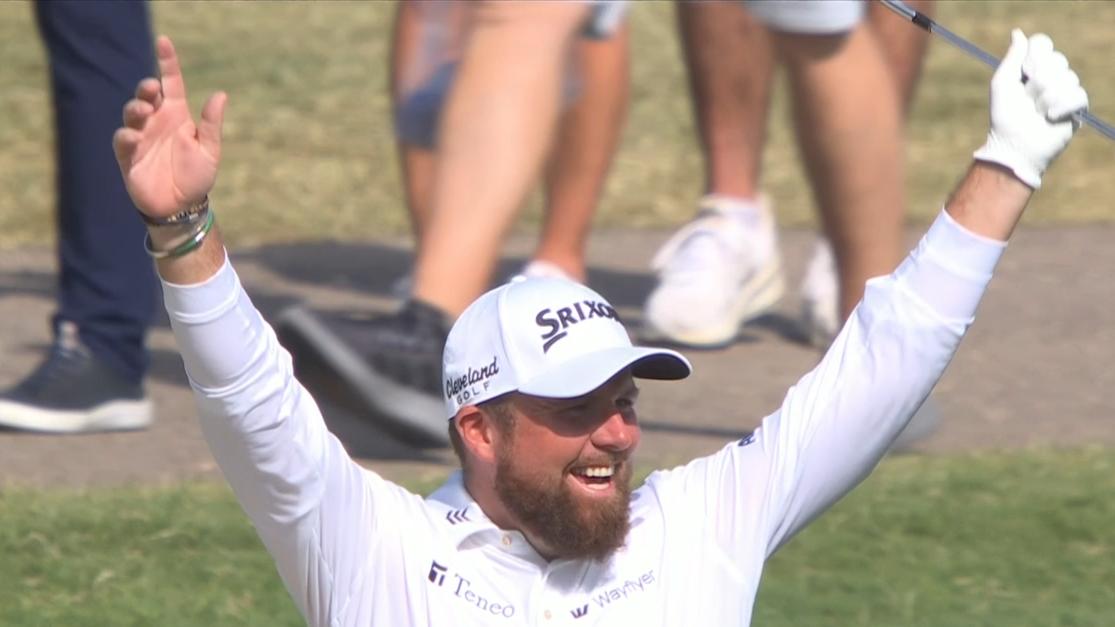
722 268
730 64
425 35
903 45
850 134
494 135
586 142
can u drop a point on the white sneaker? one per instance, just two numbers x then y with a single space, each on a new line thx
716 273
820 296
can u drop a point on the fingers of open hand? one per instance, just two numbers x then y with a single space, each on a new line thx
136 113
172 84
124 144
212 118
150 90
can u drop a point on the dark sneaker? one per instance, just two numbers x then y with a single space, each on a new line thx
387 368
73 392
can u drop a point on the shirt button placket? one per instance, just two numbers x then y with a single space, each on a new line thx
539 601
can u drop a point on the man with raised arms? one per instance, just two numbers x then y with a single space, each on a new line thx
541 525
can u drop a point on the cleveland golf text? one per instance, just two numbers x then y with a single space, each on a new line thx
474 375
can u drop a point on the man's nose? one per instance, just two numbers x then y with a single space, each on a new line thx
617 433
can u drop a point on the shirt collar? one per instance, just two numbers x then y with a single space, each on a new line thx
463 517
464 520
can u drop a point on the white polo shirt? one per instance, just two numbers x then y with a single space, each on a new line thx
355 549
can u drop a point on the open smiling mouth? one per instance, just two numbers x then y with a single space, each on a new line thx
595 478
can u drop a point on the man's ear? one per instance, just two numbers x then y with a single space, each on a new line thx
478 433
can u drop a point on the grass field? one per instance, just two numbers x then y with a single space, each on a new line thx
1008 539
309 151
1020 539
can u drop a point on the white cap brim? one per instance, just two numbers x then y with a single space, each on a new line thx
585 373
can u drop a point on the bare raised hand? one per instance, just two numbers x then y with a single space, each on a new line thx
167 161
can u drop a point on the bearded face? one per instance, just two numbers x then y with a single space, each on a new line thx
580 511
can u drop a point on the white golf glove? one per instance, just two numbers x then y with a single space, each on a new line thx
1032 122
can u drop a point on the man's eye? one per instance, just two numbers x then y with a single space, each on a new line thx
625 403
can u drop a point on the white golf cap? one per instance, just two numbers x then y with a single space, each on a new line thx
544 337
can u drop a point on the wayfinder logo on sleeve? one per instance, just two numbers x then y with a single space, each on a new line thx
558 321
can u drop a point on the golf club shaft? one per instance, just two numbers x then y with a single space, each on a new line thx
924 22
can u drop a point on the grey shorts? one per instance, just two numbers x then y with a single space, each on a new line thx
606 17
808 17
416 117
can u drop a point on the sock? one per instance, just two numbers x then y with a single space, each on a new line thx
749 212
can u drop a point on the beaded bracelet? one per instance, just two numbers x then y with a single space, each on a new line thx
192 242
194 214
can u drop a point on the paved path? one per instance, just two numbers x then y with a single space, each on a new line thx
1034 371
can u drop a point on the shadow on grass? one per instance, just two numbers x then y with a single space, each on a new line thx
28 283
372 269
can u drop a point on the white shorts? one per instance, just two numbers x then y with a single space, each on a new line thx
808 17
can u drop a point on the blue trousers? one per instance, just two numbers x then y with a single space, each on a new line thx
98 53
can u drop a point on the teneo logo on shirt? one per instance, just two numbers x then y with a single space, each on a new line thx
556 322
471 383
462 588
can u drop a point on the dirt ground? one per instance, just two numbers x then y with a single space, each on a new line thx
1033 371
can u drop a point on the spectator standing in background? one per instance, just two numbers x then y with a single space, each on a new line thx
92 377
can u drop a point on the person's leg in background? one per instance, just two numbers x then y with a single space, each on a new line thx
729 58
848 121
723 268
849 117
426 44
904 47
93 377
588 135
730 66
730 81
495 131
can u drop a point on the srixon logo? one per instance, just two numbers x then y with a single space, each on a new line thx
557 322
465 384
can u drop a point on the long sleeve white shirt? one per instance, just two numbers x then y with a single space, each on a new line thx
355 549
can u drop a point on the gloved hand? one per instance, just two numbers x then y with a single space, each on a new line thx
1031 122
